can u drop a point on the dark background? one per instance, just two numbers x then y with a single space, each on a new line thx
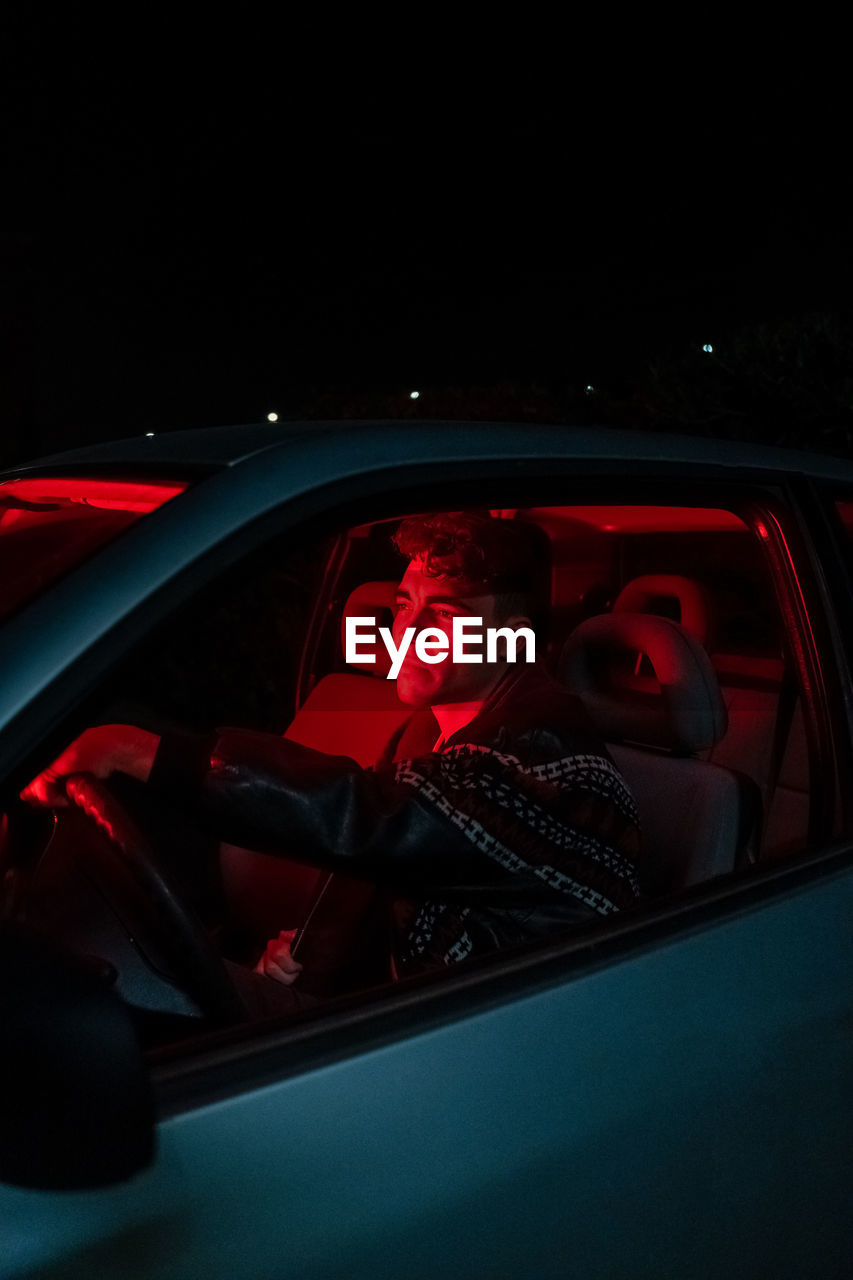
199 232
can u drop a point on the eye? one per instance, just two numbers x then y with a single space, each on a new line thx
401 605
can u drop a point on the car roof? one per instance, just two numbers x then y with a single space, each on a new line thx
214 448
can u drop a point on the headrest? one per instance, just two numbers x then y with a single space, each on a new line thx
682 709
643 595
371 600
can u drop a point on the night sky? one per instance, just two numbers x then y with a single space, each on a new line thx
197 242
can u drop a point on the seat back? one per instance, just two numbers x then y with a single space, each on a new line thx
691 815
765 740
696 818
354 713
346 714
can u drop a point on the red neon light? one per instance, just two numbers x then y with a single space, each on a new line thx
629 518
108 495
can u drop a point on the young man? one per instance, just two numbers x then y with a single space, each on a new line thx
507 824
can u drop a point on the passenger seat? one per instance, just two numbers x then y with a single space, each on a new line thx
697 820
766 737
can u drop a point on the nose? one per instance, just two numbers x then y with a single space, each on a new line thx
428 618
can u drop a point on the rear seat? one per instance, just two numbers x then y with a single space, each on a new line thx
767 738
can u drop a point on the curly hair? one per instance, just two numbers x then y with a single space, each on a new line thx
509 559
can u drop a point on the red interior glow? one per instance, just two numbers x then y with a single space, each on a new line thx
50 524
110 495
645 519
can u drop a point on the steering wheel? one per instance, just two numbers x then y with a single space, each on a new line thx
127 871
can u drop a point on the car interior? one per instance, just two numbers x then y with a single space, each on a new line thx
666 621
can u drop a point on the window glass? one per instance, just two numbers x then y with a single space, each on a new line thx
232 654
263 649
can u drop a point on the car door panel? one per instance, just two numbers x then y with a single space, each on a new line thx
682 1110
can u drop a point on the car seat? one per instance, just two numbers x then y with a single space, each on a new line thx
697 819
354 712
669 595
766 738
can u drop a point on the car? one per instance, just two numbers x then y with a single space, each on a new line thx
664 1092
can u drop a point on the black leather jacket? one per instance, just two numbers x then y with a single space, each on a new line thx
520 826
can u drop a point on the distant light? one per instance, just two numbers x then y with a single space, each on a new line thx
149 433
413 395
589 389
707 347
272 417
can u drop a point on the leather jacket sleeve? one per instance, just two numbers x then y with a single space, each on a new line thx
276 796
473 823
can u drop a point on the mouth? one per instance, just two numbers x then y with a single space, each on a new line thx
413 666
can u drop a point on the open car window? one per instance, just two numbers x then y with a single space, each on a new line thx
262 648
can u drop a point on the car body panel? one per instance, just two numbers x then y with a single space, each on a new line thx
642 1137
227 446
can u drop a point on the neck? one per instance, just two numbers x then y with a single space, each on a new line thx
453 716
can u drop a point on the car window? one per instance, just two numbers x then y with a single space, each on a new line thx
49 524
231 654
262 648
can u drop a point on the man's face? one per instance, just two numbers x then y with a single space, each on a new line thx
425 601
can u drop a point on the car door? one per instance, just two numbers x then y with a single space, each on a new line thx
666 1096
608 1120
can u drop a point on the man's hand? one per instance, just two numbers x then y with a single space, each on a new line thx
277 962
103 750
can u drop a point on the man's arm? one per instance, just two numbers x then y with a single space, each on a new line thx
267 793
472 824
478 823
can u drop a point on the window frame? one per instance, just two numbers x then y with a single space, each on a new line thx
801 602
240 1057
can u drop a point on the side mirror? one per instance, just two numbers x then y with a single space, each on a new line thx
76 1108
